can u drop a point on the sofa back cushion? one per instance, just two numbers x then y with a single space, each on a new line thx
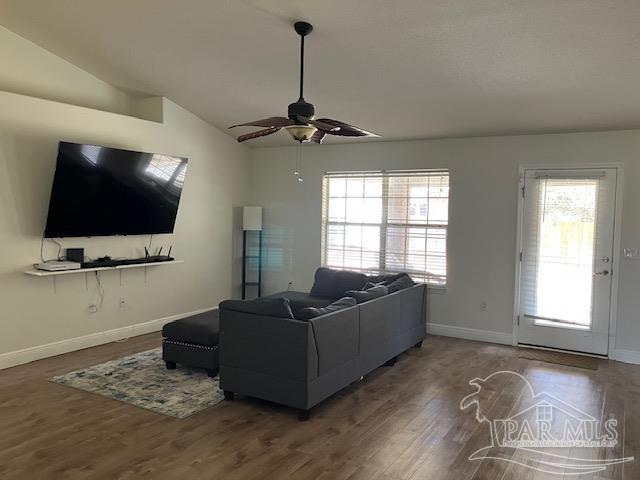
333 283
313 312
362 296
300 300
270 307
384 278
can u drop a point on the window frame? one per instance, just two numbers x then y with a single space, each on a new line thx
384 224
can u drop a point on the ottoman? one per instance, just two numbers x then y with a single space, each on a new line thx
192 342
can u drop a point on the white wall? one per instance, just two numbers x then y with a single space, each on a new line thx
32 312
481 235
483 212
31 70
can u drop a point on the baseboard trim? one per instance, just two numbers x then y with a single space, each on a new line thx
470 333
31 354
626 356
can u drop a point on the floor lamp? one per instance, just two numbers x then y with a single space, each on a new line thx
251 221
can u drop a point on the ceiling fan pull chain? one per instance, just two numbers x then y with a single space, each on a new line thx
297 161
300 179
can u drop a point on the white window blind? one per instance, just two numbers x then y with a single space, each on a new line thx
387 222
559 241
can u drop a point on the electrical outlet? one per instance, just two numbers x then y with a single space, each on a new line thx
483 306
93 309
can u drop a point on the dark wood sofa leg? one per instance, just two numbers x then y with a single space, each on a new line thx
228 395
418 345
303 415
391 362
171 365
212 373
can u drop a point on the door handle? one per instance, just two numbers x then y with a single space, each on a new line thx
604 272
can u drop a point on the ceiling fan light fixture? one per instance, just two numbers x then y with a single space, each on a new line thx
301 133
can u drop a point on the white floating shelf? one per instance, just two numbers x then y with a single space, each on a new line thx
44 273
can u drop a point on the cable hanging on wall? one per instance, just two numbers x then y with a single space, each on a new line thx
58 244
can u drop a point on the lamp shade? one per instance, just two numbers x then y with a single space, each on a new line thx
252 218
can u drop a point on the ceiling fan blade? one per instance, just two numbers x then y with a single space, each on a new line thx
267 122
259 133
318 137
345 129
317 123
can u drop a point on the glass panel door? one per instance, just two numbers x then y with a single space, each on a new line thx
565 269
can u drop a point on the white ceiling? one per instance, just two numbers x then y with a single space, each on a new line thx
405 69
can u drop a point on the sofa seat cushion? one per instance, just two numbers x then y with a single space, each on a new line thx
301 300
333 283
200 329
362 296
269 307
313 312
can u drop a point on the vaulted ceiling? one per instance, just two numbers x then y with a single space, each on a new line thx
404 69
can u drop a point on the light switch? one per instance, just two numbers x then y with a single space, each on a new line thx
630 252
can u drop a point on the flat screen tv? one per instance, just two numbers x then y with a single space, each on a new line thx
100 191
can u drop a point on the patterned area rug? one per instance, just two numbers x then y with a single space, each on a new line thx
142 380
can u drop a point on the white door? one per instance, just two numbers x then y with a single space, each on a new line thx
566 257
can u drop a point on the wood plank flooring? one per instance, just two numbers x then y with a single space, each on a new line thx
399 423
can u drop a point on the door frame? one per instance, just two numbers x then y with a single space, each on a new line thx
617 232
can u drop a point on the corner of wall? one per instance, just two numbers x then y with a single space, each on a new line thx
626 356
148 108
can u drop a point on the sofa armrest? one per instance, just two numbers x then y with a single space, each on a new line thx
337 338
273 346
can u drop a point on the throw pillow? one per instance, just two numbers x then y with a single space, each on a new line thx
362 296
401 283
270 307
311 312
333 283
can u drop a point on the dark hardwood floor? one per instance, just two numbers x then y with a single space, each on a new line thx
400 422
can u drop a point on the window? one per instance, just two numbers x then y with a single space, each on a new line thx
387 222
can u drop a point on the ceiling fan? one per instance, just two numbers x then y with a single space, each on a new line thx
300 123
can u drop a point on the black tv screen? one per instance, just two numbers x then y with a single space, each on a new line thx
101 191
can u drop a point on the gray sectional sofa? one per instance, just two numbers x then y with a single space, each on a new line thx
297 349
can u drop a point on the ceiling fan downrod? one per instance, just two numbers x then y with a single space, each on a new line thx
301 108
303 29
